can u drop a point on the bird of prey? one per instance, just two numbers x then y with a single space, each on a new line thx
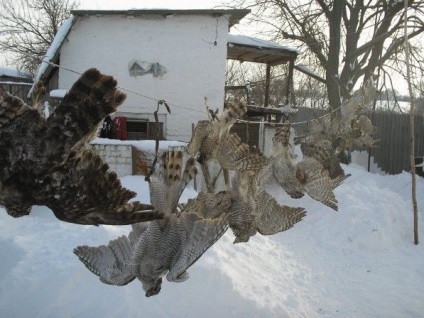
254 210
47 161
212 140
348 128
168 246
299 177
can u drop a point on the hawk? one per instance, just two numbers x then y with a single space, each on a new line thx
47 161
308 175
254 210
212 140
163 247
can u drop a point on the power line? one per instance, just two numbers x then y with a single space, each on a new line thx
185 107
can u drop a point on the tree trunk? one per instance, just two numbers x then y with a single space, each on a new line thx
332 67
411 129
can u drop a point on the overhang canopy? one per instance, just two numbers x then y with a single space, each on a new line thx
250 49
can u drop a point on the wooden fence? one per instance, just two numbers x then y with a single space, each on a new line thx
19 89
391 152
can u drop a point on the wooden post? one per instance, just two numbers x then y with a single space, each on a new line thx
267 83
195 177
289 81
411 127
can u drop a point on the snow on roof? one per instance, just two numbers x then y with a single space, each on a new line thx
234 15
306 70
287 109
58 93
257 43
53 50
12 72
15 83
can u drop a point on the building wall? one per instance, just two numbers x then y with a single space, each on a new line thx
119 157
183 44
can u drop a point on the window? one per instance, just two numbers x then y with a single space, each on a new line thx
139 129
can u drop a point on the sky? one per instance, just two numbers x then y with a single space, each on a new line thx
184 4
173 4
139 4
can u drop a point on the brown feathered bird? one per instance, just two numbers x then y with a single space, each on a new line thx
47 162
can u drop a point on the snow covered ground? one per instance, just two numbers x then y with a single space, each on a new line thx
358 262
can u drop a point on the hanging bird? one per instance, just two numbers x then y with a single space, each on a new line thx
254 210
211 140
305 176
47 162
163 247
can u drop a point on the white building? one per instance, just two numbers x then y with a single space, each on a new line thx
174 55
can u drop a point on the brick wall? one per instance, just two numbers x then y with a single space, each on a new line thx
119 157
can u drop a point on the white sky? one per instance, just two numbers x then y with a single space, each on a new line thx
159 4
170 4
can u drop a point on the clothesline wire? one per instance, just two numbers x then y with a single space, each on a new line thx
189 108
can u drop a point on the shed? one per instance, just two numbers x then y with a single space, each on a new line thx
15 82
173 55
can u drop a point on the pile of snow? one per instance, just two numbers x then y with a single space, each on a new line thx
358 262
58 93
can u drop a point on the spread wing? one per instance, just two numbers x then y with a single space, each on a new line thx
109 262
203 233
274 217
317 182
85 191
45 162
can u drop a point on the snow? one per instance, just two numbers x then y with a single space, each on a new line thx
15 83
252 41
60 36
147 146
287 109
12 72
305 69
358 262
58 93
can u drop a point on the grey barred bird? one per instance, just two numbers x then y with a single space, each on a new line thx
208 135
46 161
163 247
299 177
348 129
282 164
254 210
325 154
211 140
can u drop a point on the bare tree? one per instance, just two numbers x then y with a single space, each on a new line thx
350 39
253 76
27 28
412 128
